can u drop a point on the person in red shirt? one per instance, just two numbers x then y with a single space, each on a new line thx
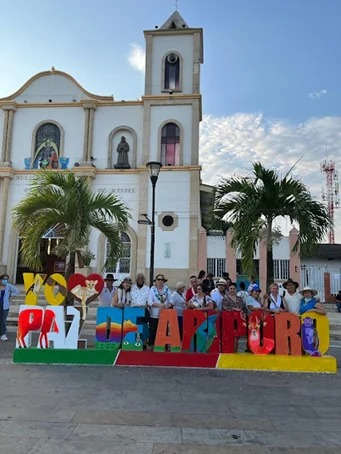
193 282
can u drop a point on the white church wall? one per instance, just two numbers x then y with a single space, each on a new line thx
183 45
105 121
171 247
56 88
2 119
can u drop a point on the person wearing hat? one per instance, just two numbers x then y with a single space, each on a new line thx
179 303
291 296
219 294
159 297
123 295
139 292
107 294
253 301
309 302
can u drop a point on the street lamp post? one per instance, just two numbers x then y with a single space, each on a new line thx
154 170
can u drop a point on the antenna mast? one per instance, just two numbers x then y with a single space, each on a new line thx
330 194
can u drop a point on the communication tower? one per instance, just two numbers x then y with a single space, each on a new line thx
330 193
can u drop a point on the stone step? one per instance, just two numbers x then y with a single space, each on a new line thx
335 335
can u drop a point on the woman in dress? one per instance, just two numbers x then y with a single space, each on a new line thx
232 302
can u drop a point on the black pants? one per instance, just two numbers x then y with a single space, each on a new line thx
153 322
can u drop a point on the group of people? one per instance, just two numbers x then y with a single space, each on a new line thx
205 294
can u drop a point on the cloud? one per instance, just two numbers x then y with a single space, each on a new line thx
229 145
136 57
317 94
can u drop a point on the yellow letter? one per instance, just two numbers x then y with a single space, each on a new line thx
32 285
51 297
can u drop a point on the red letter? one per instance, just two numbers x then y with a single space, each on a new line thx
258 344
234 326
288 340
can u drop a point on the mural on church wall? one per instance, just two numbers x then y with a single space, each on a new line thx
47 147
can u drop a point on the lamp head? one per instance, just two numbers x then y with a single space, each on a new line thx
153 169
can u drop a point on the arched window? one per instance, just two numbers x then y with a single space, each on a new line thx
172 72
122 267
47 147
170 144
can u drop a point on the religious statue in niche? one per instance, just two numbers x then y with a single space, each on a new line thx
122 158
47 147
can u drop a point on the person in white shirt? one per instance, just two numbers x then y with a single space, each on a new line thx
291 296
219 293
139 298
179 303
243 294
274 303
106 295
139 292
159 298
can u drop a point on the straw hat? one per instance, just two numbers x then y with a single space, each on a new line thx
309 289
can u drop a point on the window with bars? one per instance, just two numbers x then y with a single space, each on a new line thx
216 266
281 270
123 264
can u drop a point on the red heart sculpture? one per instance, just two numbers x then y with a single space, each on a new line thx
78 280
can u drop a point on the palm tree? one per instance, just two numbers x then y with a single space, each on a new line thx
58 198
252 204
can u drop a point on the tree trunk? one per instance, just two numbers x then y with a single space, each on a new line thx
70 269
269 255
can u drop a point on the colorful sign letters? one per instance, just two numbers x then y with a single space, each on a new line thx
58 327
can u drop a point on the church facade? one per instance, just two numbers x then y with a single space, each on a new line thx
53 122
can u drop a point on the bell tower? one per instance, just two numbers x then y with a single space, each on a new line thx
174 53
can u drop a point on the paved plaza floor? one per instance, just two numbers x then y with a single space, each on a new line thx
107 410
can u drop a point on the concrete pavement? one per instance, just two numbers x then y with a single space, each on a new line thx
73 409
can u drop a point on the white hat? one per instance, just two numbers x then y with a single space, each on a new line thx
309 289
180 285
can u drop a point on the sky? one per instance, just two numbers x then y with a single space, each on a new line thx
270 81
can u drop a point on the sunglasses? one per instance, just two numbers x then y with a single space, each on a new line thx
159 279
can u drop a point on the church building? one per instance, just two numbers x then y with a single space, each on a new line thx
53 122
